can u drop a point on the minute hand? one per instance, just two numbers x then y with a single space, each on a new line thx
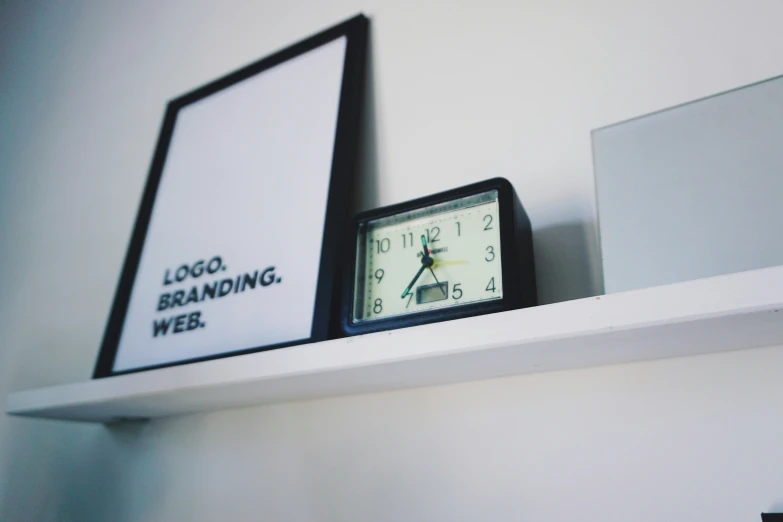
413 282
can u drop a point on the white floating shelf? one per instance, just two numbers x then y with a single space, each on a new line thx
732 312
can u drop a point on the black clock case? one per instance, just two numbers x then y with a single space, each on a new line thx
516 250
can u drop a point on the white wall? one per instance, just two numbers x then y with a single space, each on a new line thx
460 91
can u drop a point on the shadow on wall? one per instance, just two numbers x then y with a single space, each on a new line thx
565 263
70 472
367 192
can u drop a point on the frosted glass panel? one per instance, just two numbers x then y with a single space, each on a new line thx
692 191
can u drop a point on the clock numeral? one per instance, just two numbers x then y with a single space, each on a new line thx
383 245
432 234
454 291
378 308
488 219
405 239
379 274
459 230
410 296
491 285
490 252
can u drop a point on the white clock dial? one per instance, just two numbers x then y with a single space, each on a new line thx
462 263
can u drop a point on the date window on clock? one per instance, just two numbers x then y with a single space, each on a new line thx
431 293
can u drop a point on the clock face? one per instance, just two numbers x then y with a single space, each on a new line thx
440 256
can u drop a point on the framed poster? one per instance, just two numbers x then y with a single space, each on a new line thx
237 240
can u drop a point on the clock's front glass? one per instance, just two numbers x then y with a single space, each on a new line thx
434 257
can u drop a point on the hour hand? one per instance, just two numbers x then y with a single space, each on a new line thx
424 245
413 282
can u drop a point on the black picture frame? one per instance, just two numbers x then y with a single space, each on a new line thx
516 248
344 164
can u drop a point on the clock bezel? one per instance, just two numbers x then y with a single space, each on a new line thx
509 257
